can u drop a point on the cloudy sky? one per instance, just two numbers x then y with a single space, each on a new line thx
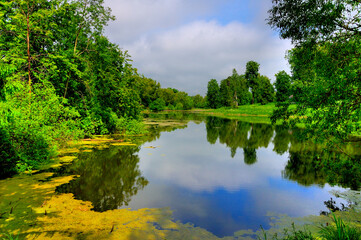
184 43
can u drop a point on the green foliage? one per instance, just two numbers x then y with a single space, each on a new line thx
10 237
33 128
179 106
130 126
61 79
244 96
170 107
263 91
148 90
283 86
251 75
188 103
234 91
8 157
213 94
340 231
226 93
325 64
314 20
157 105
199 101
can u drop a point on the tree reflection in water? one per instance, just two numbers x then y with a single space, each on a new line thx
308 163
108 178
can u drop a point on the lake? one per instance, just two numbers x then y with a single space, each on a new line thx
218 174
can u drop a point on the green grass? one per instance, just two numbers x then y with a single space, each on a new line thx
256 113
246 110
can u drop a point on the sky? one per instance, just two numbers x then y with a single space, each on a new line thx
183 44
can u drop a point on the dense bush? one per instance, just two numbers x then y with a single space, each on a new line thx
157 105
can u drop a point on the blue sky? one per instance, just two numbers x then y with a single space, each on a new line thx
185 43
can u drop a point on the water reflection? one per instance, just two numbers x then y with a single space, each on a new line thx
222 175
308 163
108 178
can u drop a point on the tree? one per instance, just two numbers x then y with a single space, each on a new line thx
226 92
157 105
147 90
199 101
243 94
234 90
213 94
283 86
263 91
326 35
251 75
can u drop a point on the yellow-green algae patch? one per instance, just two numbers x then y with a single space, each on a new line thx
78 221
32 210
20 196
123 144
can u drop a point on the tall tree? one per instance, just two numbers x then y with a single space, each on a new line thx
251 75
226 92
263 90
283 86
213 94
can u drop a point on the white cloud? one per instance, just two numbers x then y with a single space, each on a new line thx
137 18
175 43
185 161
189 56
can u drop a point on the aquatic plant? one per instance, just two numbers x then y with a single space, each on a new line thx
10 237
289 235
340 231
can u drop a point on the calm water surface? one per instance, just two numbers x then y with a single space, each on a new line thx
221 175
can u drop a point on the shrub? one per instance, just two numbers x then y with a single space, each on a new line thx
157 105
179 106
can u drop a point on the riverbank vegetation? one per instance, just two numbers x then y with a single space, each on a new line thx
325 64
61 79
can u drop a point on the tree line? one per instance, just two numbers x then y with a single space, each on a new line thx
156 98
249 88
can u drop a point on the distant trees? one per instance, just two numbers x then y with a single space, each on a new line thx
234 90
152 95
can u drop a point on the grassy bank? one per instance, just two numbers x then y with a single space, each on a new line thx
250 113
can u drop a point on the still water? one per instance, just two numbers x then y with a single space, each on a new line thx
221 175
